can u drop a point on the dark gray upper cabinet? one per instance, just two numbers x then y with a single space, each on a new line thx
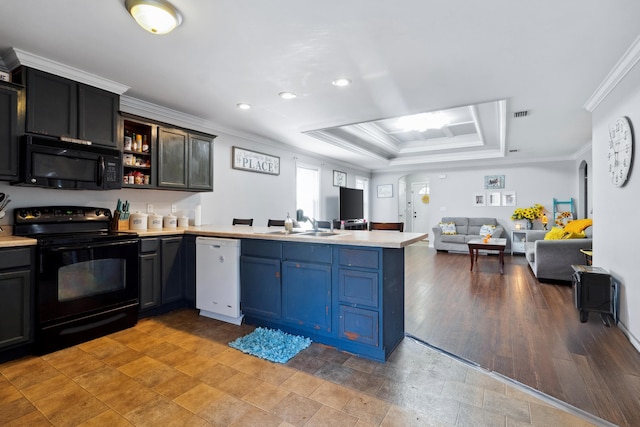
98 121
172 158
11 121
200 162
185 160
58 106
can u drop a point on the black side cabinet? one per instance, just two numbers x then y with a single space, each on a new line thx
11 125
58 106
594 290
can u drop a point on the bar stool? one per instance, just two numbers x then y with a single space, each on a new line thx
241 221
394 226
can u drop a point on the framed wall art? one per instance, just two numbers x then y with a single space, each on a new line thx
339 179
254 161
479 199
508 198
385 190
492 182
493 199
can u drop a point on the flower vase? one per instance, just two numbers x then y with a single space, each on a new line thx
529 225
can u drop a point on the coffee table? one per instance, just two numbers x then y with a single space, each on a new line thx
492 245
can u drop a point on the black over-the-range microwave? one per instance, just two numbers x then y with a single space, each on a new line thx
53 163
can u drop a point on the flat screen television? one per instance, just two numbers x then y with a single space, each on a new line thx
351 204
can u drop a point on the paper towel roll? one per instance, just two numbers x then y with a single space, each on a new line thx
197 221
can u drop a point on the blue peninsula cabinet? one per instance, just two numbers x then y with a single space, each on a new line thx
349 297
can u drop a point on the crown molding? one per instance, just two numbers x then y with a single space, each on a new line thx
14 57
619 71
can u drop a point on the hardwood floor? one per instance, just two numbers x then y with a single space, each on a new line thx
523 329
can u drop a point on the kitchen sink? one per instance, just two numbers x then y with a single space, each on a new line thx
282 232
320 233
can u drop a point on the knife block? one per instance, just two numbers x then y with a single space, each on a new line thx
120 225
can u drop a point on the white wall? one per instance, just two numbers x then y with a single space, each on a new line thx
453 194
615 212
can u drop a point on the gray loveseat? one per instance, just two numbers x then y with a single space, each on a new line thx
466 229
552 259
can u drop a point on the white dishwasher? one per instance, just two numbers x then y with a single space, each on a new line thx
218 279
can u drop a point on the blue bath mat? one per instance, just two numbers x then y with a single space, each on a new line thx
270 344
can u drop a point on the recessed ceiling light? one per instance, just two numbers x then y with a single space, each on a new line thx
287 95
342 81
243 106
155 16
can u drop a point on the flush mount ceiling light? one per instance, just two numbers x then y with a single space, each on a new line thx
155 16
342 81
243 106
287 95
423 121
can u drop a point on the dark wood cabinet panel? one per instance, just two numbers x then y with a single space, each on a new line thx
52 104
200 165
16 297
172 158
11 121
172 275
98 121
150 288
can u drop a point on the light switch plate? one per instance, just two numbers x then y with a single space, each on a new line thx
149 208
174 208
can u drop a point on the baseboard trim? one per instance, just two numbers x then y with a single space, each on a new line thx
632 339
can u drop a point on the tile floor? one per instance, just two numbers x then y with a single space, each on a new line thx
177 370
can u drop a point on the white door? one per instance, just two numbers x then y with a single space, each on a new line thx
419 222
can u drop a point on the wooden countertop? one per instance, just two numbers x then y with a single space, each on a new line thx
382 239
15 241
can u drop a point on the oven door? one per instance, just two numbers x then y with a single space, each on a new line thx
80 278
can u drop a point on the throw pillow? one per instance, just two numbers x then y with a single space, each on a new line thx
578 225
556 233
448 227
573 235
487 229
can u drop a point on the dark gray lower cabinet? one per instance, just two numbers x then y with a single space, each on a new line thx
162 273
16 297
345 296
172 270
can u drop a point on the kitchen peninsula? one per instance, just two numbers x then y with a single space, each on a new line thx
344 289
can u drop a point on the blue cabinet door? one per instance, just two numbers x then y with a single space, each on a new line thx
307 295
260 287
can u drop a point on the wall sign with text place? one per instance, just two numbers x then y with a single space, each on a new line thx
254 161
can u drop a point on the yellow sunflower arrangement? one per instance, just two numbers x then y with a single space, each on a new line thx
529 214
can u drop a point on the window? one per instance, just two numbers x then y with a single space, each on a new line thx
308 190
362 183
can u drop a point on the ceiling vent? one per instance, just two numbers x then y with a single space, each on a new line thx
520 114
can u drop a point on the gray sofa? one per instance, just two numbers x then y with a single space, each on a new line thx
552 259
466 229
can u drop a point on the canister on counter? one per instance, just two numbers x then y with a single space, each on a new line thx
183 221
170 221
138 221
155 221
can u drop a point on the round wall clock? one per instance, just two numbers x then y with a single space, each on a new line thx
620 155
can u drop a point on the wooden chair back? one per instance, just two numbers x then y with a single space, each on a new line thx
393 226
275 223
242 221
